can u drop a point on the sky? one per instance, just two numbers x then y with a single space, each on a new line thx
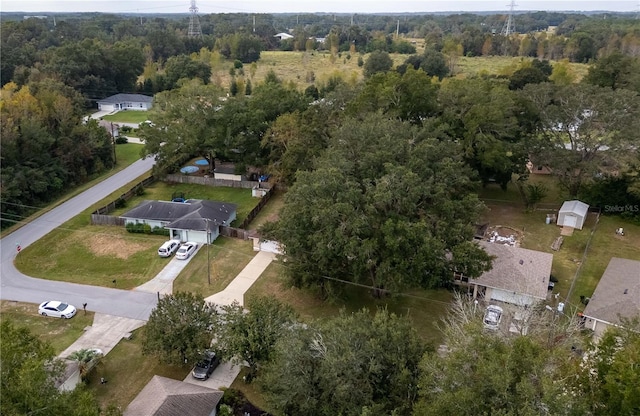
310 6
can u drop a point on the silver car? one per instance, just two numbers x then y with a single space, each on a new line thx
492 317
186 250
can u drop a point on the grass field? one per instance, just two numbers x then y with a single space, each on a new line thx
60 333
128 116
423 307
306 68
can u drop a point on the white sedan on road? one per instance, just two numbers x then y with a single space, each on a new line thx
57 309
186 250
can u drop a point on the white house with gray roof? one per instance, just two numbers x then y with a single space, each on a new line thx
119 102
616 297
191 220
518 275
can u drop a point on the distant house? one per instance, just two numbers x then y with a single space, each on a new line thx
616 296
519 276
167 397
125 102
573 214
186 221
110 127
283 36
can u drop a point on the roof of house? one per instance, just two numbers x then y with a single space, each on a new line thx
576 207
121 98
517 269
189 215
167 397
283 35
618 292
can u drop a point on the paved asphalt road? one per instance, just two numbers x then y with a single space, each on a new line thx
19 287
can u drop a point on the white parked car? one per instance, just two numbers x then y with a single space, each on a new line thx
186 250
492 317
57 309
168 248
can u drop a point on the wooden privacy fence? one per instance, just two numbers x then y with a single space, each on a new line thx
100 217
256 210
234 232
200 180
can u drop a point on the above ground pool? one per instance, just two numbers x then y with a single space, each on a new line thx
189 169
202 162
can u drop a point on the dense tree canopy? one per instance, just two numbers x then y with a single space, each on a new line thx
28 375
248 337
383 207
179 329
584 131
45 147
353 364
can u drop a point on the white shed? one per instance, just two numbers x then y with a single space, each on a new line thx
573 214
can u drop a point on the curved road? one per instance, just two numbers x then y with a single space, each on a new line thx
19 287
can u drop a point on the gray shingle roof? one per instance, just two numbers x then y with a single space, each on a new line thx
127 98
517 269
609 300
184 215
167 397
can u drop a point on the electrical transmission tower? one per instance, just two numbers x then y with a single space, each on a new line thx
509 27
194 24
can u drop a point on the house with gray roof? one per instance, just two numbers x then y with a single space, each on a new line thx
167 397
191 220
518 275
125 102
616 297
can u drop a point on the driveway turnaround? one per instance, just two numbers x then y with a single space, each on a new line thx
105 333
19 287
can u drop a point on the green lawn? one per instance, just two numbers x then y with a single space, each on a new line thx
128 116
270 211
423 307
60 333
164 191
127 371
228 256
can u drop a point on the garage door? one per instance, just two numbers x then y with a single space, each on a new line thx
510 297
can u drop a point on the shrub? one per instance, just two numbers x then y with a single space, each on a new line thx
122 140
121 203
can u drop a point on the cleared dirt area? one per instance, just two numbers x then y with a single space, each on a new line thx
113 246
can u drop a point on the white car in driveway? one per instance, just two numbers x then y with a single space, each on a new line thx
168 248
492 317
186 250
57 309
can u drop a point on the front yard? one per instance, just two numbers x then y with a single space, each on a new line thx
126 116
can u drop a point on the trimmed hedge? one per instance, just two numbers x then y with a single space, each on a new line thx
142 228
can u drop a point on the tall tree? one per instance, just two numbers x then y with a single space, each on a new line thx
28 376
379 61
584 130
481 372
248 336
349 365
383 207
179 329
484 115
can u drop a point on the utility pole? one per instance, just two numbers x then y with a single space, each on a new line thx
113 140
